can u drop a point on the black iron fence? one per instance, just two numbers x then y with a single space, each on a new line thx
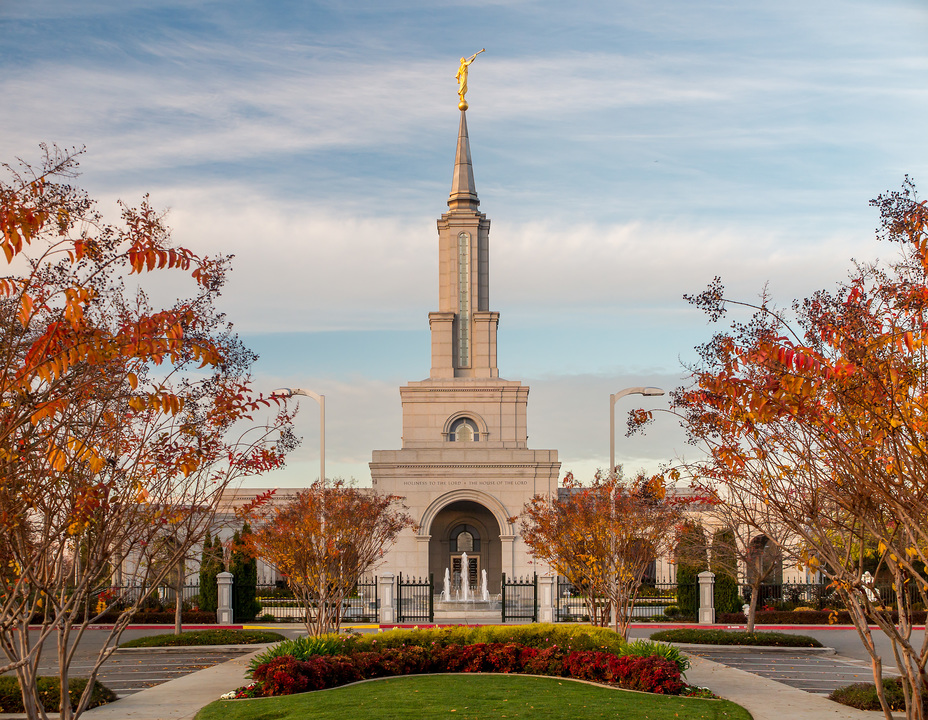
415 599
162 597
655 599
820 596
519 598
278 603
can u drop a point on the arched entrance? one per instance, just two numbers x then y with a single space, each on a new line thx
465 526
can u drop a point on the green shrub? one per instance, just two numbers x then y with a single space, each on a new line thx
301 648
672 610
205 637
729 637
210 566
648 648
575 637
244 568
11 700
863 695
725 594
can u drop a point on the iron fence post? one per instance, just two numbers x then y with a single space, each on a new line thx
535 599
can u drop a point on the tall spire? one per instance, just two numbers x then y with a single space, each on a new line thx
463 188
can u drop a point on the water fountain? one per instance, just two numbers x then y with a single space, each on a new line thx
459 599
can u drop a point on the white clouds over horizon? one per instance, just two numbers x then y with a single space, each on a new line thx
625 152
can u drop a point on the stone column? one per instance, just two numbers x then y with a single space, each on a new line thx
706 597
507 542
547 586
385 594
224 606
422 556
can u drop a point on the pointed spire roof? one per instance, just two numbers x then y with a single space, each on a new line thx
463 189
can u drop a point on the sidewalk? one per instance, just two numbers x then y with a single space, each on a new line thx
767 699
178 699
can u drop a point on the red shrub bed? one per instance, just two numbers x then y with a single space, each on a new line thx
285 675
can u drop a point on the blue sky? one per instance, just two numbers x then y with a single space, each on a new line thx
626 152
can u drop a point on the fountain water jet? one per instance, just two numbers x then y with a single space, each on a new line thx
484 592
465 578
446 592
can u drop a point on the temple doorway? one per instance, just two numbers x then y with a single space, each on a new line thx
466 528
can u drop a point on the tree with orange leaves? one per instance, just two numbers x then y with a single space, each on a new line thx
120 423
323 540
819 415
602 538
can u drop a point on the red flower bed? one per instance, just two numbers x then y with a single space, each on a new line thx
285 675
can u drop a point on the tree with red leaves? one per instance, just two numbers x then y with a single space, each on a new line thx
819 416
602 538
323 540
121 423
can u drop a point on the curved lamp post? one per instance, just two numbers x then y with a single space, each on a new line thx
648 391
290 392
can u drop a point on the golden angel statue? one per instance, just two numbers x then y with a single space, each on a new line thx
461 77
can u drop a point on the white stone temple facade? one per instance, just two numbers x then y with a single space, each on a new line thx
464 467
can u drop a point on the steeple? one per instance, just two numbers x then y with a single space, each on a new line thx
463 189
464 328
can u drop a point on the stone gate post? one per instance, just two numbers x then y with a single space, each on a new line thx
224 605
706 597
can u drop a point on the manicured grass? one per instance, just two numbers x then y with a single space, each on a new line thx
206 637
473 697
729 637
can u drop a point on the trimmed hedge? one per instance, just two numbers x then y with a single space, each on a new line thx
804 617
11 699
286 675
729 637
537 635
863 695
205 637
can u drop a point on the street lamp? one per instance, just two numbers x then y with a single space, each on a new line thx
288 392
648 391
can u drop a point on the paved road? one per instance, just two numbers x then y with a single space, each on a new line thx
129 671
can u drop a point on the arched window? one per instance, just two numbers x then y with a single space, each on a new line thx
465 538
463 430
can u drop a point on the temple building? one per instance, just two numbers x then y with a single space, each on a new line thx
464 467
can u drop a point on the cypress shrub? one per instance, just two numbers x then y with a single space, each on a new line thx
725 568
210 567
244 567
692 558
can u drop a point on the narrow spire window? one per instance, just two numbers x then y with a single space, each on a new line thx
463 300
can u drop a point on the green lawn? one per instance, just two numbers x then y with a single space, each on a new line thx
473 697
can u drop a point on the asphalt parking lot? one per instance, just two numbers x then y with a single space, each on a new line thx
813 672
128 672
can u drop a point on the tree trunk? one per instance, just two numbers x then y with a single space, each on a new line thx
752 609
178 601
